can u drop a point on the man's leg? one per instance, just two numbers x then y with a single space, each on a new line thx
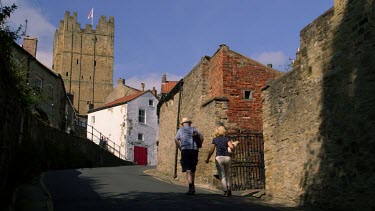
190 176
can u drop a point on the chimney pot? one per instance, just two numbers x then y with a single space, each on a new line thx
143 87
269 65
120 81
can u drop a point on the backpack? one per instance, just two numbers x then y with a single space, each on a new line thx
197 138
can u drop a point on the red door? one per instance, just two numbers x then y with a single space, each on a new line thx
140 155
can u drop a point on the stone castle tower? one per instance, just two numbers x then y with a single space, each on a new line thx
84 58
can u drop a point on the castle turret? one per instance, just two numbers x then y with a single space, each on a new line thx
84 58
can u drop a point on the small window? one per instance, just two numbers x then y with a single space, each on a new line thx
38 83
248 95
150 102
142 116
67 74
93 119
77 61
140 137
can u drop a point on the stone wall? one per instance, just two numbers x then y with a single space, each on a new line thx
211 94
28 146
121 90
318 119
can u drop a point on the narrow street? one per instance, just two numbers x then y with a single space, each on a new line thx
128 188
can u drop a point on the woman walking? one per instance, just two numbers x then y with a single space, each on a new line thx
221 144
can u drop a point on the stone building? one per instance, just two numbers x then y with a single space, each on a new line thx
53 104
84 58
121 90
224 88
319 118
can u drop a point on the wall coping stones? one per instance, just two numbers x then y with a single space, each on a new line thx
214 99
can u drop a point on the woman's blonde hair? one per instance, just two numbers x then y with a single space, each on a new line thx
220 131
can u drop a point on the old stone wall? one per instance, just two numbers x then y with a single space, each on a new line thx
28 146
121 90
191 95
206 97
318 119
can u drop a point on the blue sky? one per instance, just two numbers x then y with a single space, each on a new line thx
153 37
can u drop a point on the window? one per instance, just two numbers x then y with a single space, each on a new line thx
93 119
142 116
248 95
150 102
140 136
38 84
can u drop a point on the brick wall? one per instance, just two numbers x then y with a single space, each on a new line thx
318 119
242 74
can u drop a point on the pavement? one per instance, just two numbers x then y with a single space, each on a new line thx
34 196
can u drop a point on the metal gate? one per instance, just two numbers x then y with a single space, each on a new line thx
247 167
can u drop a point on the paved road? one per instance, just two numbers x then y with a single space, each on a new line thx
128 188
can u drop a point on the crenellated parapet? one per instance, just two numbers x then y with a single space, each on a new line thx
106 27
70 22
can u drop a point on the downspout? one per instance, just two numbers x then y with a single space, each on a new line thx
177 127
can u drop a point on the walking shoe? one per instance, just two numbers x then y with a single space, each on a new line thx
229 193
225 193
190 192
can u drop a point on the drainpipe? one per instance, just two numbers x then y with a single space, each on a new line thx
177 127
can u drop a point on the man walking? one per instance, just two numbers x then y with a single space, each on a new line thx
189 151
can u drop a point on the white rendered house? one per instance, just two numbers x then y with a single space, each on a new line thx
130 127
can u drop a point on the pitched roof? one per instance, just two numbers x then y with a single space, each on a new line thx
124 99
119 101
168 86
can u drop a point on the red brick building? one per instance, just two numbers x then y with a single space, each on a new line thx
222 89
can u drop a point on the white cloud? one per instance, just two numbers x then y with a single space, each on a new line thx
37 26
150 81
277 58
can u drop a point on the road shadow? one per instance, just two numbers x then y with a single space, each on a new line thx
70 191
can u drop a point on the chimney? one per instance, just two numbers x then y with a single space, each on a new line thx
153 91
269 65
223 46
297 61
30 45
120 81
164 78
143 87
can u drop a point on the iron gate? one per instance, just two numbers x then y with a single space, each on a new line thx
247 167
